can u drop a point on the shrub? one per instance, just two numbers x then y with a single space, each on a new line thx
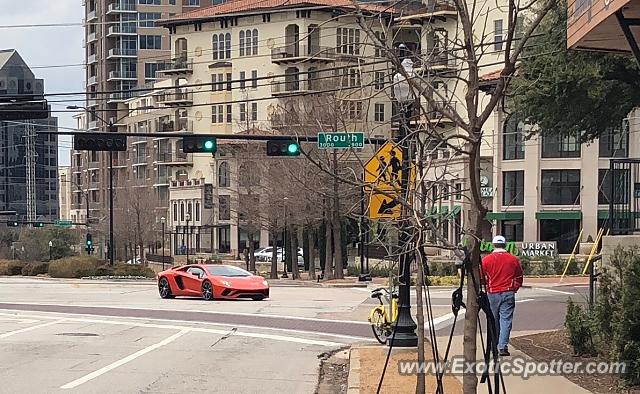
104 270
33 269
133 270
11 267
578 327
74 267
443 280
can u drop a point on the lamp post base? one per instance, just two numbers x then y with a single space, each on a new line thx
405 335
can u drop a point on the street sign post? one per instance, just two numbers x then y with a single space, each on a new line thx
63 223
340 140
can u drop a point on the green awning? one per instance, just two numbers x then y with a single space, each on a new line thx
559 215
510 215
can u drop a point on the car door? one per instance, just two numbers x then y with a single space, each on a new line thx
193 280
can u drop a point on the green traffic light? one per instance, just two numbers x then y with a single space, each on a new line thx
208 145
293 149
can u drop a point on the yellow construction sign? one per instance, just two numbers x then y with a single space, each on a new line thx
384 207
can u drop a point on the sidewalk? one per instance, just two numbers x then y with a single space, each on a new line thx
366 363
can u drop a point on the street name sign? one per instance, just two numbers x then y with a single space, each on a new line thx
63 223
340 140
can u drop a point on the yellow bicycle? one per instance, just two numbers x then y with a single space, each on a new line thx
380 318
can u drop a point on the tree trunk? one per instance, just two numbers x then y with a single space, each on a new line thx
320 234
252 258
311 239
328 251
305 246
337 224
420 384
274 256
295 271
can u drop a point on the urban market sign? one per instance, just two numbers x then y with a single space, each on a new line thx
525 249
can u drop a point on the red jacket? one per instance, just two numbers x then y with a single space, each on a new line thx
502 271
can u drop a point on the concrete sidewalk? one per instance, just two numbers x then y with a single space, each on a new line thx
366 362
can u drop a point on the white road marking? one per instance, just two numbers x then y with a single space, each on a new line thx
26 329
123 361
525 300
19 320
553 290
314 319
289 330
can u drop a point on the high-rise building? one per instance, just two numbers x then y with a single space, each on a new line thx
64 187
26 188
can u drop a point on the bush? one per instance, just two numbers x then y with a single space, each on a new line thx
578 327
133 270
33 269
74 267
11 267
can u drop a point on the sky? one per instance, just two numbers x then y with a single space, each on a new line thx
48 46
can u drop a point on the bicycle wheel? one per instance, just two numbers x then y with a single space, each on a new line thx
378 325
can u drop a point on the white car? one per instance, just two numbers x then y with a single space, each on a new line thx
266 254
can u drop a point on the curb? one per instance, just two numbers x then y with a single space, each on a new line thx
353 380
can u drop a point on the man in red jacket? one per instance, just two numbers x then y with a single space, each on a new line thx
503 275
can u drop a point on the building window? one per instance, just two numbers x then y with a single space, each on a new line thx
497 34
513 140
614 143
224 207
621 183
379 112
254 112
512 230
149 2
197 211
254 79
354 110
560 145
458 191
512 188
348 41
147 19
380 37
150 70
217 113
182 211
243 80
243 112
564 232
221 46
150 42
248 42
223 175
175 212
193 3
560 187
378 82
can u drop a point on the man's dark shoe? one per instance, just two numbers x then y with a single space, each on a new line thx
504 352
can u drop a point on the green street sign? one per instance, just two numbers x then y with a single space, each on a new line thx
63 223
340 140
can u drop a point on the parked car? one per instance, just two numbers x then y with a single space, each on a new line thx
265 255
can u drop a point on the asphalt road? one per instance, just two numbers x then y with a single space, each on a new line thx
121 337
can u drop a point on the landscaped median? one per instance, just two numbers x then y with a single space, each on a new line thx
74 267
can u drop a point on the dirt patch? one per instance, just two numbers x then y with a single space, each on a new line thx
554 345
334 372
372 360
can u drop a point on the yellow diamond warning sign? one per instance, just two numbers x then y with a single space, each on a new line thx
384 207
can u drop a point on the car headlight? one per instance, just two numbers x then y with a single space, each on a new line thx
264 282
224 282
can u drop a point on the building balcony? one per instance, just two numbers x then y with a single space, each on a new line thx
434 115
91 16
91 59
122 75
122 53
177 66
175 98
298 53
92 80
122 30
92 103
177 158
442 60
119 97
91 37
284 87
172 124
92 125
121 7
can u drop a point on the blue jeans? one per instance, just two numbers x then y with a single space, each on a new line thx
502 306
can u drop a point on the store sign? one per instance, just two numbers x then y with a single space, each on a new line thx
208 196
539 249
486 190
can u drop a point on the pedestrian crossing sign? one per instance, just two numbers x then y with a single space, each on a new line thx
384 170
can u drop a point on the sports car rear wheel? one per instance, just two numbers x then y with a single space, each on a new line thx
164 288
207 291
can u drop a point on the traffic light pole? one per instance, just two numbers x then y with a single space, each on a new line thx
111 208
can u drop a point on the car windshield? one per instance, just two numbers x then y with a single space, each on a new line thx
224 270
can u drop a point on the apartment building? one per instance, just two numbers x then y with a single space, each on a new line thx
249 67
64 190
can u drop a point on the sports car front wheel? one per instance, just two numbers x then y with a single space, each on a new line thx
207 291
164 289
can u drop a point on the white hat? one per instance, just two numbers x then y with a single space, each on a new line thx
499 239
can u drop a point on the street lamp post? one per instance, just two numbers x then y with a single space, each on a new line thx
188 235
285 254
162 220
50 246
405 335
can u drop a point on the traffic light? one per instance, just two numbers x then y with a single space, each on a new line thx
283 148
37 224
199 144
12 224
109 143
89 244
